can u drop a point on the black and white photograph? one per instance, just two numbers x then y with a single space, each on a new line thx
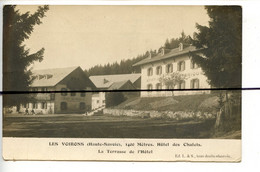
159 73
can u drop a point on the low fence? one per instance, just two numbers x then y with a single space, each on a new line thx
179 115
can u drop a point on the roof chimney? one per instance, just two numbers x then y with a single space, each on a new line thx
180 46
150 55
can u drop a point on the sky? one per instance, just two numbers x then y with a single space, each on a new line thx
91 35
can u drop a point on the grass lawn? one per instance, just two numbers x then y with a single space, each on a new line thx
203 102
102 126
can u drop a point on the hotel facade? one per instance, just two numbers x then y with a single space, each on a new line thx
167 63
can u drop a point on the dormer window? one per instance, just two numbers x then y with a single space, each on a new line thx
34 77
48 76
162 51
41 76
150 71
105 81
149 55
44 76
180 46
158 70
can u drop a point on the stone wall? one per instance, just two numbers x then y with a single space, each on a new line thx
179 115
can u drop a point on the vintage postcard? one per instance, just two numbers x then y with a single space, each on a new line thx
122 83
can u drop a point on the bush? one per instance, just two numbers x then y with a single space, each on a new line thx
114 98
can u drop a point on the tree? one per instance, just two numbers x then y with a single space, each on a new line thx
222 46
17 59
126 66
221 59
174 43
170 80
114 98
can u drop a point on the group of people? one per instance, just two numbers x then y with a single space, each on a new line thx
27 112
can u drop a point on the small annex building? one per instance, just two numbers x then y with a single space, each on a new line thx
113 82
60 79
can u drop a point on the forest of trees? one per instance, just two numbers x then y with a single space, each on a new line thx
126 66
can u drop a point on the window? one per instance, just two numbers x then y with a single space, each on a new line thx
181 66
150 71
34 89
52 96
35 105
169 87
97 101
64 92
159 70
63 106
193 65
169 68
149 86
72 94
82 106
82 94
43 89
158 86
44 105
194 83
103 101
181 85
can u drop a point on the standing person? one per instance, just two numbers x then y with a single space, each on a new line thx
26 111
33 113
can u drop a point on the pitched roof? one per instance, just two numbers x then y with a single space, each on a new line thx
50 77
105 81
119 85
173 53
